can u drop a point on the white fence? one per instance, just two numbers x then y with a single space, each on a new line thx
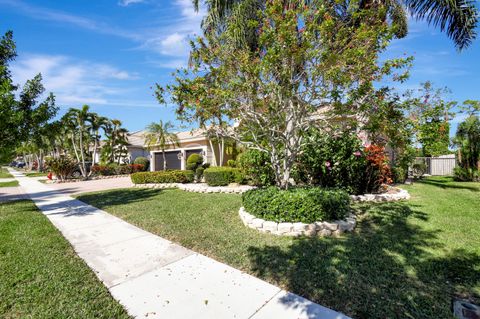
439 166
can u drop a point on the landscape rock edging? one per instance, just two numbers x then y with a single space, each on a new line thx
322 229
401 194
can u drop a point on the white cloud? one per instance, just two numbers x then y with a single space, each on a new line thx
169 63
174 39
72 81
174 44
125 3
171 42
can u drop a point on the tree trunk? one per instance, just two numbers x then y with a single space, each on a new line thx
94 155
222 150
40 161
75 148
214 159
83 168
164 160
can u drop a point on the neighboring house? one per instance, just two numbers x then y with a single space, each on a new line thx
136 146
190 142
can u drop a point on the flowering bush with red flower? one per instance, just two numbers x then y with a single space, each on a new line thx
340 161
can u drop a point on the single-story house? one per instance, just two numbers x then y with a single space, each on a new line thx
190 142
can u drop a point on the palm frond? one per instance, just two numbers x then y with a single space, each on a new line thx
458 18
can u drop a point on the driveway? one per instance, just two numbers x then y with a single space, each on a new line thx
92 186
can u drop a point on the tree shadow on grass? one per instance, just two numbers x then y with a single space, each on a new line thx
118 197
386 269
447 184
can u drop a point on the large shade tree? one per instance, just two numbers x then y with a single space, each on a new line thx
308 68
23 114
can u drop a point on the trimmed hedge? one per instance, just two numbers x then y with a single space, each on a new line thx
194 161
222 176
172 176
305 205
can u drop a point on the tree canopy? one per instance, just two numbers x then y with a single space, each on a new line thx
23 117
309 67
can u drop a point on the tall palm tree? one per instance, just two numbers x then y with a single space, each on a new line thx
458 18
160 135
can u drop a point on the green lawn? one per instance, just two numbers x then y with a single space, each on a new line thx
40 274
4 173
405 259
8 184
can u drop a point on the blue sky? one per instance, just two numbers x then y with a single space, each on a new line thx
110 53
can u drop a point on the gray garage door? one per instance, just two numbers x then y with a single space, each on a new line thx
172 160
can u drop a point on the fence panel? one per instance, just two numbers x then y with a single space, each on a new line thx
439 166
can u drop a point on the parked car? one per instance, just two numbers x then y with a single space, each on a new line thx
13 164
20 164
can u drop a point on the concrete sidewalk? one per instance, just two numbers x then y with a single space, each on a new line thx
155 278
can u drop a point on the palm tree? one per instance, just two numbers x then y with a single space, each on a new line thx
96 123
458 18
76 120
115 144
160 135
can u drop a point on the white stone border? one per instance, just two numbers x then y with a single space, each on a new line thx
204 188
298 229
385 197
199 188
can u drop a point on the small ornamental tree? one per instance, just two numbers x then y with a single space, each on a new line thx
308 68
431 113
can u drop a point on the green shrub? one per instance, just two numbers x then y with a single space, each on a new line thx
171 176
399 174
115 169
62 167
305 205
194 161
222 176
231 163
255 166
462 174
142 161
199 173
